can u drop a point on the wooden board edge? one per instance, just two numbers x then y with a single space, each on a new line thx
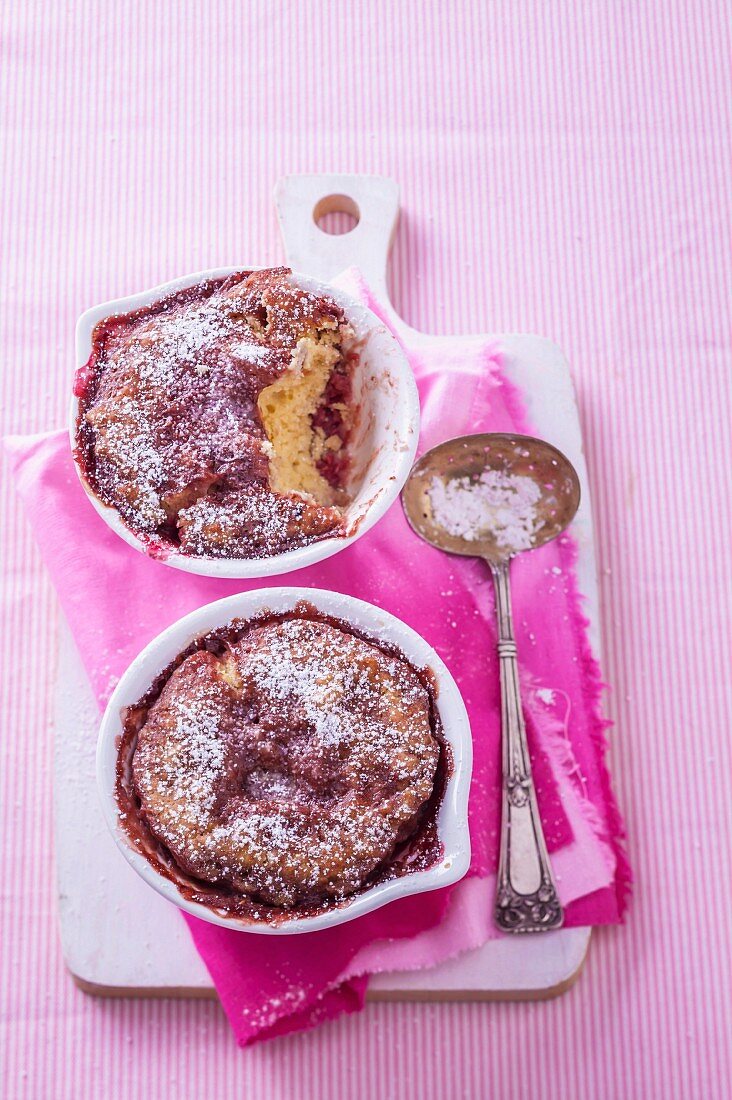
159 993
478 996
424 996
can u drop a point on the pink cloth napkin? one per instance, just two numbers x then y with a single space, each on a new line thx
116 600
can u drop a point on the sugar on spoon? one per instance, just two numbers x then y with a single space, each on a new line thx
493 496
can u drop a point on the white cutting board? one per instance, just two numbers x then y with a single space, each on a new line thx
119 937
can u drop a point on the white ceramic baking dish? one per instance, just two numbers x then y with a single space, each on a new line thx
382 448
452 819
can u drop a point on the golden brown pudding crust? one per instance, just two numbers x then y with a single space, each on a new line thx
170 432
289 766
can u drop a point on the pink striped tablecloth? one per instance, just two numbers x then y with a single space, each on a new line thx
565 170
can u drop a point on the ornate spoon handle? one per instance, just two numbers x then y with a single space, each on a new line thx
526 896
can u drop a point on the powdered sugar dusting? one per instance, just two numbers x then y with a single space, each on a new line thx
170 416
254 522
497 503
290 767
250 352
196 727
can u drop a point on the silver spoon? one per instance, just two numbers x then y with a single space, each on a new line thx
492 496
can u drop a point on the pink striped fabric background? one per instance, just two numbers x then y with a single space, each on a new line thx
565 170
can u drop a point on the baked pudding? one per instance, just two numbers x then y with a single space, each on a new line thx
217 420
282 765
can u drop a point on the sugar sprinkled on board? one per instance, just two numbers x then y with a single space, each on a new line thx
496 503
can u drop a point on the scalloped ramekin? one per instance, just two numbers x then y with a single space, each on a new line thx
383 448
452 819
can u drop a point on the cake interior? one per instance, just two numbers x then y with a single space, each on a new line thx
288 408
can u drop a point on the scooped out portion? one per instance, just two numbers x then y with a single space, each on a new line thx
217 421
304 459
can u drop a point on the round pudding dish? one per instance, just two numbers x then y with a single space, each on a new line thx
286 760
241 423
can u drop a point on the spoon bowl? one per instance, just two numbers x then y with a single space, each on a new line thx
460 463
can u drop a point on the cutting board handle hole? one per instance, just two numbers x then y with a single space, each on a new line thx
336 214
